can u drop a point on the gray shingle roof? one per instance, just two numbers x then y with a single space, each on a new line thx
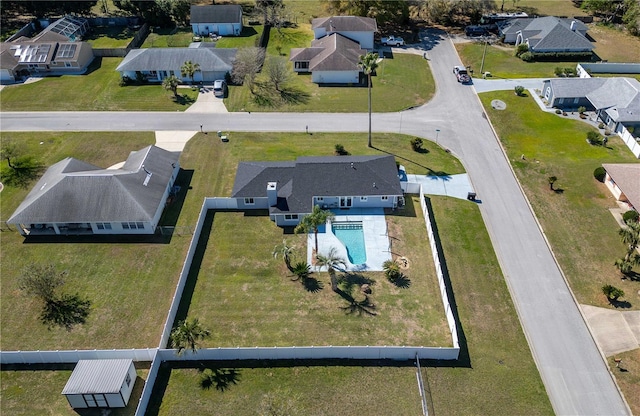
575 87
223 13
627 177
330 53
345 24
298 182
558 38
152 59
97 376
619 91
74 191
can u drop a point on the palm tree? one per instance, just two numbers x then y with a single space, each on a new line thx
285 251
552 180
630 235
301 270
188 69
188 334
171 83
314 220
331 260
369 63
391 270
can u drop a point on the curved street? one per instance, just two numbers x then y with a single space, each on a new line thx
572 368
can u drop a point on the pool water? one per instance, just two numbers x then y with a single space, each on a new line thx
352 236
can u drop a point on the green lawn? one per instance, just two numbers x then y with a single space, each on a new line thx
296 391
496 373
109 36
96 91
543 7
130 285
249 37
500 61
582 232
401 82
28 393
169 38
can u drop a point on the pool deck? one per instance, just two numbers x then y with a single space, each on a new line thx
376 241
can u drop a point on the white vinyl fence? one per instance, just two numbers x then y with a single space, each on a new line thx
630 141
73 356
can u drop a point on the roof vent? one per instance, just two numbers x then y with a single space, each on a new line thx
573 25
352 167
374 184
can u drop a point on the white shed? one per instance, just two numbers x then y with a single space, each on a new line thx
100 383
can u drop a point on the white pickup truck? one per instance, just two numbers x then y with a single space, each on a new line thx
392 41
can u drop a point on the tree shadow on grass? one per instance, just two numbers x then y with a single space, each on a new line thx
293 95
402 281
174 205
350 279
360 307
311 284
620 304
65 311
183 99
220 378
24 172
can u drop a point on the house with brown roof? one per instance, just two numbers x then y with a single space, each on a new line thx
623 180
334 54
47 54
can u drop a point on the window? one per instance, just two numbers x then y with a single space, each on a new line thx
576 100
132 225
363 198
249 201
103 225
68 64
384 198
560 100
125 225
128 380
319 198
140 225
291 216
301 65
153 74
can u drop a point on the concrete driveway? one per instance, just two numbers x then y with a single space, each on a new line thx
571 366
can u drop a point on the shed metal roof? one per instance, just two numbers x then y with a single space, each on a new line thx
97 376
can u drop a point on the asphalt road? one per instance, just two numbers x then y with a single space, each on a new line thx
574 373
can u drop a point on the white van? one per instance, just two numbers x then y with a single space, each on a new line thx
219 88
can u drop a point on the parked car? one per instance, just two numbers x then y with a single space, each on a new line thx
219 88
461 74
475 31
392 41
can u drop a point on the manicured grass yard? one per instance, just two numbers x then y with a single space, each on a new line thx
96 91
344 391
496 374
500 61
582 232
395 77
130 285
30 393
109 36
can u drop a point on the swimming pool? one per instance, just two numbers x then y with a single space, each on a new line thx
352 236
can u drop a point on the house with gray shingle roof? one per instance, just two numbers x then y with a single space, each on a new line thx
356 28
331 59
623 180
219 19
74 197
547 34
157 64
334 54
616 100
290 189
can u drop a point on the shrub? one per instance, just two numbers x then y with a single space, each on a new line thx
630 216
558 71
519 90
527 57
124 81
599 173
416 144
601 125
594 138
521 49
582 109
340 150
612 293
558 111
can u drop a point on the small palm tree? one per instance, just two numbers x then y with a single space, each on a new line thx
630 235
332 261
391 270
188 334
188 69
552 180
301 270
171 83
612 293
286 251
369 63
314 220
